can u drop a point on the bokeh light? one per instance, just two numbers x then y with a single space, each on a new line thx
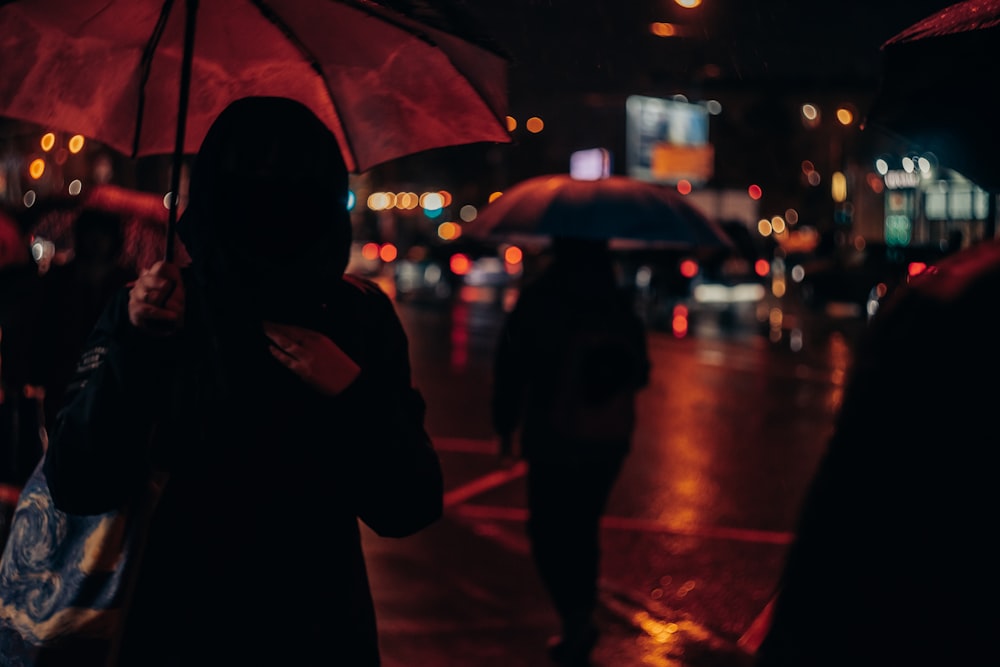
36 168
76 143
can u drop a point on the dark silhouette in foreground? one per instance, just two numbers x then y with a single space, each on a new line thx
894 560
275 390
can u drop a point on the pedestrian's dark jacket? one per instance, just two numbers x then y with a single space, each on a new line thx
254 553
572 293
895 555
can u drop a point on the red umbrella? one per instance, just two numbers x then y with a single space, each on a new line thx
937 75
137 76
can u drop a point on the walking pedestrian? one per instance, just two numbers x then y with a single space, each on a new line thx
569 361
275 390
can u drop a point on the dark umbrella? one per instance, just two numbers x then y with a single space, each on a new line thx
389 78
623 210
935 92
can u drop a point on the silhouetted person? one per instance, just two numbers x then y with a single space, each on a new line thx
894 560
279 397
73 296
569 361
20 408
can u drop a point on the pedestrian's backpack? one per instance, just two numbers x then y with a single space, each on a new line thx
601 365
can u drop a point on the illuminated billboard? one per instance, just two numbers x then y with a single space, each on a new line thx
667 140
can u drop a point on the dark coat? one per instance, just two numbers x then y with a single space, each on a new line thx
254 554
895 560
529 363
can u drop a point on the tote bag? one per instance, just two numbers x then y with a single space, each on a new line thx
65 578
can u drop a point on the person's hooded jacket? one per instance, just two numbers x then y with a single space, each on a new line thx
254 553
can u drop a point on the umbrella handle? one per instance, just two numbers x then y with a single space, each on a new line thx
191 13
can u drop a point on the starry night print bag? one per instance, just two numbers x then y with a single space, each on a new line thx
65 579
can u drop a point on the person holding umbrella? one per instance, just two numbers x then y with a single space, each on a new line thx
894 558
569 361
276 392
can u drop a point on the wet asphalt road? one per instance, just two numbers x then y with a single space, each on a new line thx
730 430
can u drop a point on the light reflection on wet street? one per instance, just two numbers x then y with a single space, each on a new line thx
730 430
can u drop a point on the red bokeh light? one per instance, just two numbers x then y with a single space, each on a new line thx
459 264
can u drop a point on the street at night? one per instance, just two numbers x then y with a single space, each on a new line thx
730 430
794 205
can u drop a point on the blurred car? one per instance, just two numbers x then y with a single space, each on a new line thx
854 282
438 272
739 276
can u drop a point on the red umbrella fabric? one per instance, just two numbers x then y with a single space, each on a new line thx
148 77
935 82
621 209
386 84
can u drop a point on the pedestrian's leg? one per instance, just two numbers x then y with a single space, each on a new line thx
549 502
566 501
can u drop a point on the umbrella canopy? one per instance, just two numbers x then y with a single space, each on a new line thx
146 77
937 75
621 209
384 83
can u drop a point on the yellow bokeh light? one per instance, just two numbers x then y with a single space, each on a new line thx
449 231
48 141
661 29
838 187
534 125
36 168
778 224
407 201
687 4
378 201
764 227
494 196
511 123
76 143
844 116
778 287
